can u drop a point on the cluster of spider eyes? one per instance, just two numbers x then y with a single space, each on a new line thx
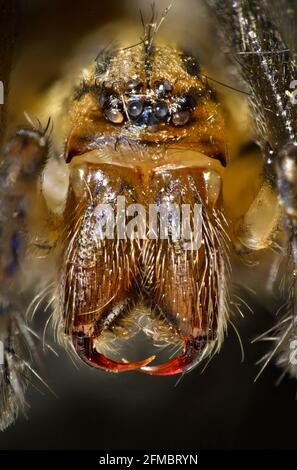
148 109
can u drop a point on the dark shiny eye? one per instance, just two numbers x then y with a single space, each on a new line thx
180 118
148 117
162 88
114 115
135 108
186 102
134 85
190 101
115 102
107 101
161 109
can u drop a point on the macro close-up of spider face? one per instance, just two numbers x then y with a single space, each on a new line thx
147 138
148 197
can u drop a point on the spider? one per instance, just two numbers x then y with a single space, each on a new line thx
144 121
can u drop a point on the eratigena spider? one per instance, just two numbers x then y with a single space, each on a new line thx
144 121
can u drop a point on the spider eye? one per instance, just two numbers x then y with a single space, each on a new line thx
135 108
114 115
115 102
113 108
109 100
148 117
134 85
161 110
186 102
190 101
180 118
162 88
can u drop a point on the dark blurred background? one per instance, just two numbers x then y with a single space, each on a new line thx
222 408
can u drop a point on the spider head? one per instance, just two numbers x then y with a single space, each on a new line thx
121 104
146 129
